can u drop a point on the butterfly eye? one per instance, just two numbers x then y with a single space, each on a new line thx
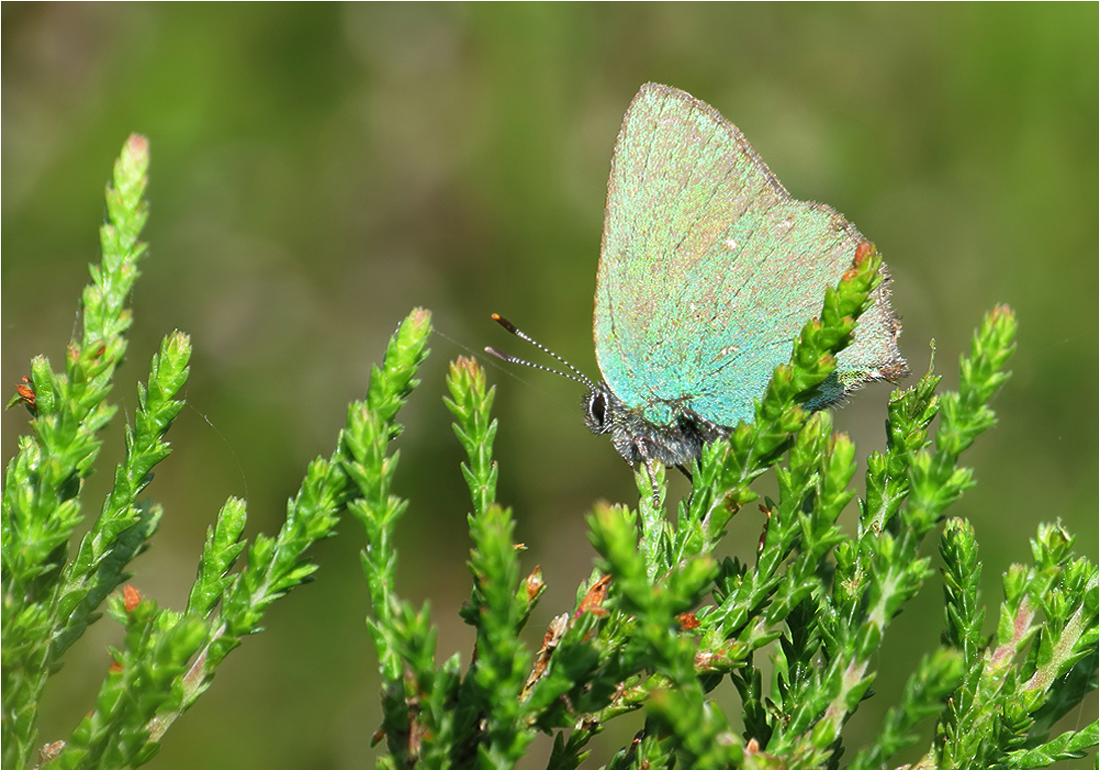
597 407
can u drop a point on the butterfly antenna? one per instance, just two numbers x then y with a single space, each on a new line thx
577 375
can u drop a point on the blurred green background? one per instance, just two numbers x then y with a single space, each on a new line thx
318 170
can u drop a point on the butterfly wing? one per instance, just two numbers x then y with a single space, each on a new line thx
709 269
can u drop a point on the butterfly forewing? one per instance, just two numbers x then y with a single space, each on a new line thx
708 268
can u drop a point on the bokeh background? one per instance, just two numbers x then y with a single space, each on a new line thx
318 170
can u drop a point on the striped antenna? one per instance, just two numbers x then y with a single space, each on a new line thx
577 375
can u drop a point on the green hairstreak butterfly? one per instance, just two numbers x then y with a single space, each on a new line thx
708 271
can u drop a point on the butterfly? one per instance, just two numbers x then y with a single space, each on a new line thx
708 271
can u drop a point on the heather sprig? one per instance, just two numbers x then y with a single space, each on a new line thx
48 599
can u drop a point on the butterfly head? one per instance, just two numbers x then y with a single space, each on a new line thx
602 409
637 439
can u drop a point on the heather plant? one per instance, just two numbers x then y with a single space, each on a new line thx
661 623
168 657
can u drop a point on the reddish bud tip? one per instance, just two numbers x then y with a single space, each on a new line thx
534 583
863 251
687 621
593 600
420 316
27 394
130 598
464 365
137 144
